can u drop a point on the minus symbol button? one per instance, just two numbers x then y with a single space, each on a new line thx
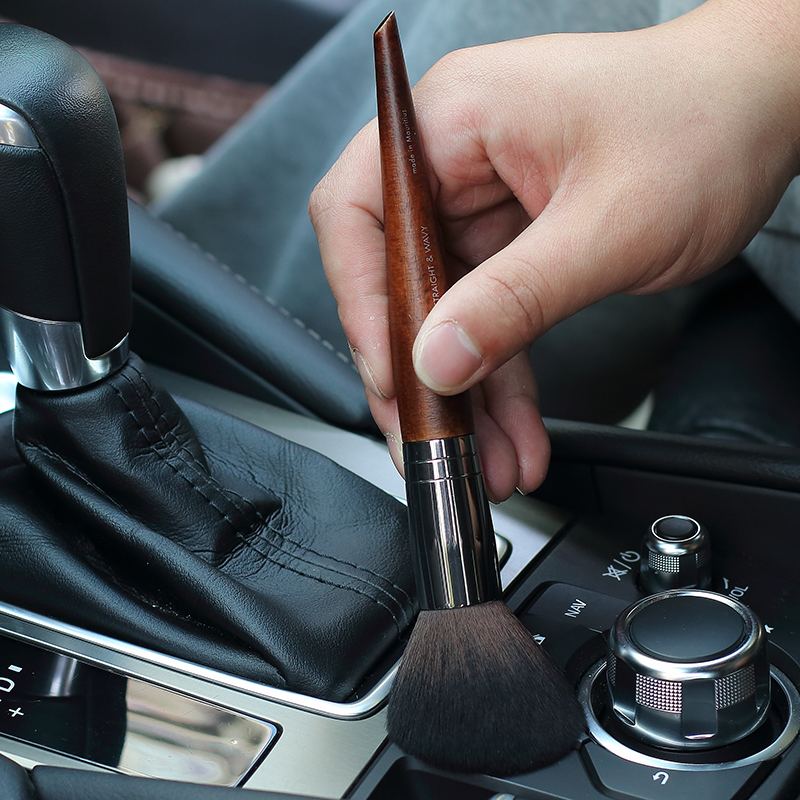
14 668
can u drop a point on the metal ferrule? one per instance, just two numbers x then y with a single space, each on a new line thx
49 356
454 551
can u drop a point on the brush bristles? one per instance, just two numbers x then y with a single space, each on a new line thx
475 693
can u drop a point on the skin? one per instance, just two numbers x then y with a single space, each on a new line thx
565 169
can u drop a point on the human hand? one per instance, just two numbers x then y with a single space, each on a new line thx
566 168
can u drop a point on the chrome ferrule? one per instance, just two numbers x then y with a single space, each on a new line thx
452 539
49 356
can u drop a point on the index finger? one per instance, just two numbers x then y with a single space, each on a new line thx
346 209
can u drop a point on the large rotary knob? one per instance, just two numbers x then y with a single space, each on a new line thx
688 669
675 555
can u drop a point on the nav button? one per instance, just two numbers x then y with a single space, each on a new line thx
619 778
567 606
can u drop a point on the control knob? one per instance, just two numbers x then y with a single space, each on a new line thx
675 555
688 669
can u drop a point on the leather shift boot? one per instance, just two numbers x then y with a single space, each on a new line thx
189 531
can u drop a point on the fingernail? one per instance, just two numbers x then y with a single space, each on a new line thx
365 371
396 451
446 358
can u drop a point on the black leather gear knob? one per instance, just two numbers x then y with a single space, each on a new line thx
64 227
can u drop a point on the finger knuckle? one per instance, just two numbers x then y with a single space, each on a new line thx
521 302
319 201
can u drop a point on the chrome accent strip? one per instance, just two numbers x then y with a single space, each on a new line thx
603 738
17 622
453 544
15 131
49 356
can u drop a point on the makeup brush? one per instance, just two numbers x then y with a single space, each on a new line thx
474 692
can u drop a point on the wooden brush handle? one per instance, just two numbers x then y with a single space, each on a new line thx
414 254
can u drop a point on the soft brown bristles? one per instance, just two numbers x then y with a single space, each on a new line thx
475 693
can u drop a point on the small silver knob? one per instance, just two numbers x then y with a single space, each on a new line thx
675 555
688 669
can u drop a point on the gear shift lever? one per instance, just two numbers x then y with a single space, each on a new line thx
162 523
65 306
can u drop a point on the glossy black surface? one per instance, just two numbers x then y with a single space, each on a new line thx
68 706
687 629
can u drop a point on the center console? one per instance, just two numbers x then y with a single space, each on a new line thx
661 577
688 692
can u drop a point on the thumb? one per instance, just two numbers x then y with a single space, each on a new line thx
554 268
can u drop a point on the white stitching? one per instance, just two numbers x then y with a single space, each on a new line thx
286 313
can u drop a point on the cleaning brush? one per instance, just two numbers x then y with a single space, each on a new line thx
474 692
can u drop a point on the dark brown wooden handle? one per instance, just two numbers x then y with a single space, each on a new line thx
414 254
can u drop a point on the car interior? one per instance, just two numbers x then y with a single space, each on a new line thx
206 586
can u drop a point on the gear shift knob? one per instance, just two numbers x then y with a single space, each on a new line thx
65 305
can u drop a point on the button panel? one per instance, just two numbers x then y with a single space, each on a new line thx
562 606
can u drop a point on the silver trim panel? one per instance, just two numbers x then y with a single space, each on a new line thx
35 628
139 728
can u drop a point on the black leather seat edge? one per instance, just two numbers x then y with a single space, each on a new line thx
196 316
751 464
